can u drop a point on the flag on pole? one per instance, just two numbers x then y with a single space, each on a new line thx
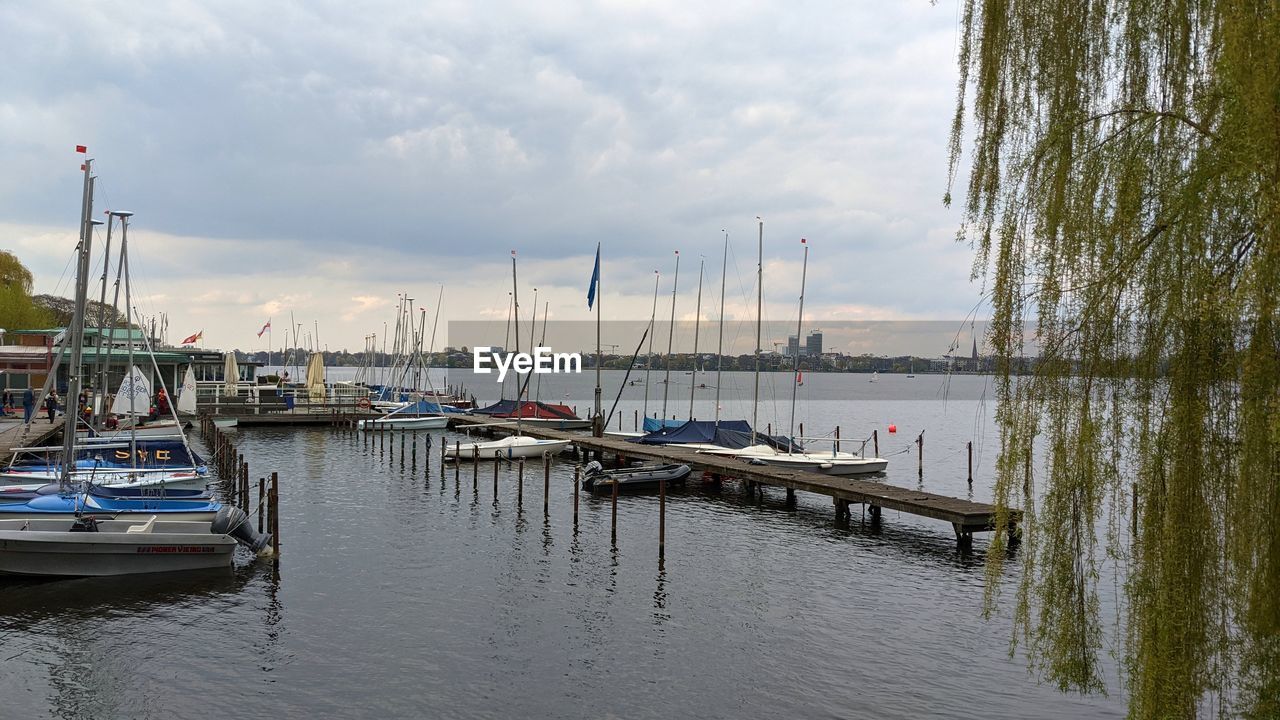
82 149
264 328
595 280
194 338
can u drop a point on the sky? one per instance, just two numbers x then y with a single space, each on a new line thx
314 159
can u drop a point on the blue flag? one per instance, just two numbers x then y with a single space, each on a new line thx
595 280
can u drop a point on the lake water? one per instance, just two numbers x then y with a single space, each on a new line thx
400 593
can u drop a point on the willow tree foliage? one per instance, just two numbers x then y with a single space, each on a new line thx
17 311
1124 205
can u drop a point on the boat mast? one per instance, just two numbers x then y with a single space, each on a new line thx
755 404
506 340
796 361
128 324
77 328
720 343
537 396
100 379
515 327
697 321
671 334
648 362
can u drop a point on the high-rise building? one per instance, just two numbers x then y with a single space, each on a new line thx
793 346
813 344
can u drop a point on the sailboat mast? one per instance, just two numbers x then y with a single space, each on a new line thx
724 267
648 362
128 324
671 334
100 378
77 327
796 369
697 321
515 325
506 340
537 393
755 404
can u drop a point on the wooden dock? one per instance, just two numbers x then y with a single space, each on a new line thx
966 517
12 435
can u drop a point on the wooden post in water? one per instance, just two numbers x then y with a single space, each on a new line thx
920 445
262 495
613 532
875 438
662 518
520 483
402 449
414 463
801 430
546 483
635 420
457 461
275 513
768 429
970 445
837 438
475 466
577 476
495 480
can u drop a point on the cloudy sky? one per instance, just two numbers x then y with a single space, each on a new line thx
317 158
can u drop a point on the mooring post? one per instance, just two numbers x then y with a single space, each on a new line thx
662 518
875 438
495 480
401 450
475 466
275 513
414 463
970 445
768 429
614 516
577 476
801 430
635 420
837 438
262 495
457 461
520 483
791 497
920 445
546 483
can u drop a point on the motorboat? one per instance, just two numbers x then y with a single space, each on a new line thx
64 504
92 546
643 477
404 422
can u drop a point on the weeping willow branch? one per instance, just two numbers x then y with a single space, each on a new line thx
1123 201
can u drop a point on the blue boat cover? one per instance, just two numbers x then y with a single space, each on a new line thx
652 424
730 434
424 407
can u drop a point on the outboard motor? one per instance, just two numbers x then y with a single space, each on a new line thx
232 521
594 468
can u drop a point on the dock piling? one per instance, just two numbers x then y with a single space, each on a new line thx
546 483
875 439
520 483
837 438
475 466
577 476
970 446
613 523
662 518
495 481
275 513
262 495
920 445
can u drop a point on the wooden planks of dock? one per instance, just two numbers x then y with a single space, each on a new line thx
966 516
14 434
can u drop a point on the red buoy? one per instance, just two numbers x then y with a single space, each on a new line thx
893 428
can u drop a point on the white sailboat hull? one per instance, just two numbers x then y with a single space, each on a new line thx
516 446
45 547
426 422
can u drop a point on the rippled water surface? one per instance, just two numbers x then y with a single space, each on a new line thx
400 593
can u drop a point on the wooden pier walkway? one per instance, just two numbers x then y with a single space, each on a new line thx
12 435
966 517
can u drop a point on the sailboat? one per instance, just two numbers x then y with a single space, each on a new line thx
833 463
875 375
76 532
517 445
912 372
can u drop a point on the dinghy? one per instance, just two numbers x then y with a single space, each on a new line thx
644 477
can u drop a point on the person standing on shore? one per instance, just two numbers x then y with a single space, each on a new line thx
28 405
51 404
